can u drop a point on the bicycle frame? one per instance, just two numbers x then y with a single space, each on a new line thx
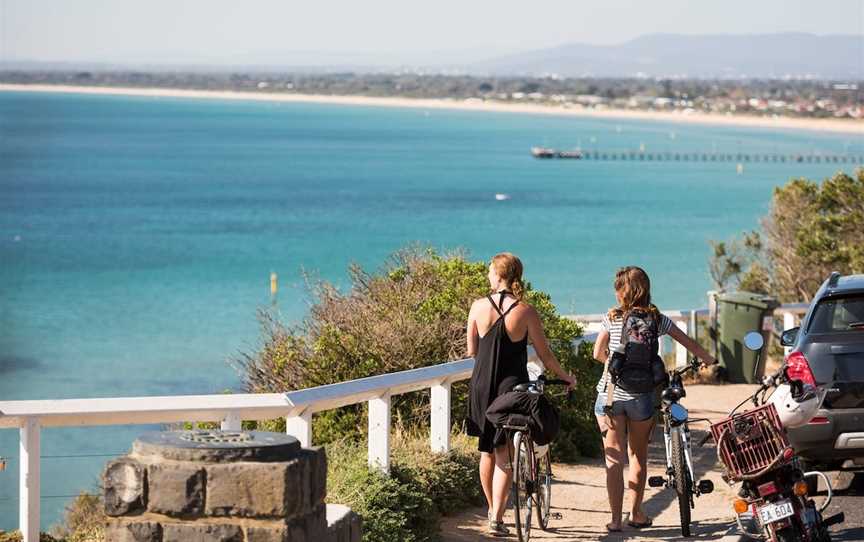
681 431
680 473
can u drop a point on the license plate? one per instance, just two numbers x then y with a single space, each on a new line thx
775 512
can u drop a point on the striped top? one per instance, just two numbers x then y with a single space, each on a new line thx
614 329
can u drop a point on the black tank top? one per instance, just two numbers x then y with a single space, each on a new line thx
499 364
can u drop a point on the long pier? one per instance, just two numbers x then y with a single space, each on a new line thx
668 156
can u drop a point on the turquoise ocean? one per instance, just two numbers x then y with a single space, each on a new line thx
137 235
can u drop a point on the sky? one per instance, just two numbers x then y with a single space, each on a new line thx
259 31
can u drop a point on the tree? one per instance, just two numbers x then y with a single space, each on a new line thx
810 230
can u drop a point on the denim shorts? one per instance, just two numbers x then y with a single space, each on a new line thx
638 409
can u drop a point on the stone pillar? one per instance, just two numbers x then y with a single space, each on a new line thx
221 486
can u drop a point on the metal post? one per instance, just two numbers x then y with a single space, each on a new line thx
300 427
29 491
788 323
379 433
232 422
440 430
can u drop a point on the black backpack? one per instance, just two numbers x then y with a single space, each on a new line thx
639 368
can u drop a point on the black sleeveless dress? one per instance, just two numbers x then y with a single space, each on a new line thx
499 365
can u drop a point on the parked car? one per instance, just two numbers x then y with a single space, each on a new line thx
828 348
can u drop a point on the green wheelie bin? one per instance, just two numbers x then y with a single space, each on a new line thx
737 314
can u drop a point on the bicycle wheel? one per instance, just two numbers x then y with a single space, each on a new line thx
683 486
544 489
523 486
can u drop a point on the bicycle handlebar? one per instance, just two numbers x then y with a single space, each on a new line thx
692 365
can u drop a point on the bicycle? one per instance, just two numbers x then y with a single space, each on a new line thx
532 469
676 436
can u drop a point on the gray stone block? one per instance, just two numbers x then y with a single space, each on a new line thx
176 489
124 481
259 490
343 525
272 533
318 475
311 527
197 532
118 530
246 489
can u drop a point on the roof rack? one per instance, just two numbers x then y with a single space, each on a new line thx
832 280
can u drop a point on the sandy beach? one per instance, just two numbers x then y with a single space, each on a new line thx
775 123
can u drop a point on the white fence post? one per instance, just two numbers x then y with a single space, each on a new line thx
28 456
300 427
379 432
680 351
788 323
440 407
232 422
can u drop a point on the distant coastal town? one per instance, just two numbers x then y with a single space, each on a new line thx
765 98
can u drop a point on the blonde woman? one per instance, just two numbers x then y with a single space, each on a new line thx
627 419
499 328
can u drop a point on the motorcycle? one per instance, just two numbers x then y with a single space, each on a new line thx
755 452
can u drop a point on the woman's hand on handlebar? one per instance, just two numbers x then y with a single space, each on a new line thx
711 360
570 379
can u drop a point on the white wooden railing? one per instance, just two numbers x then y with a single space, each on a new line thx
297 407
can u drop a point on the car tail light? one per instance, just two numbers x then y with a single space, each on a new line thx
819 420
798 368
766 489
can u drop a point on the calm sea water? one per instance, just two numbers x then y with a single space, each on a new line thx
137 235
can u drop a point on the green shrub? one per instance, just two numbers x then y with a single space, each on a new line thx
83 521
422 486
411 313
15 536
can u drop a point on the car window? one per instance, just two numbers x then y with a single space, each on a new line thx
838 314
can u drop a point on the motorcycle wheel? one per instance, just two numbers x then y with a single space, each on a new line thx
787 535
683 485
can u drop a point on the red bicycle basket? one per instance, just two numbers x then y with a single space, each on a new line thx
750 442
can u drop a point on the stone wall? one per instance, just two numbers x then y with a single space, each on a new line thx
163 493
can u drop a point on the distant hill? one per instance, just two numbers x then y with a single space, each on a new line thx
671 55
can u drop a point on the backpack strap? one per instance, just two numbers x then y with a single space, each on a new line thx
610 386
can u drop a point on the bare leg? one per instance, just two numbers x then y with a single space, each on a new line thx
501 481
614 444
487 469
639 435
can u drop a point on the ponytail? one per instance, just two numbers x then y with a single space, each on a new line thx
518 288
509 268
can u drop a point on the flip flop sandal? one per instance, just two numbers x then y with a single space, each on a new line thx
641 524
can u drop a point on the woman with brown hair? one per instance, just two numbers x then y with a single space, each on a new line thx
627 417
498 331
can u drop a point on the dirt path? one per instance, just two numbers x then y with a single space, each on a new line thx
579 493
